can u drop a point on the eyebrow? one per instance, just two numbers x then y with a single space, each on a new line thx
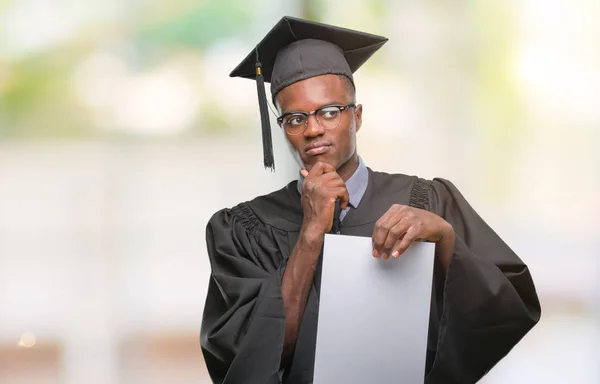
332 103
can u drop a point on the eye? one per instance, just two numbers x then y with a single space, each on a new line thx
295 120
329 113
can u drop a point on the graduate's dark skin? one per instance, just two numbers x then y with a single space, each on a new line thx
325 175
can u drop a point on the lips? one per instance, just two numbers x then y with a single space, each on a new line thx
317 148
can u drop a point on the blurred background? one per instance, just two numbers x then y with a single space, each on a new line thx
121 134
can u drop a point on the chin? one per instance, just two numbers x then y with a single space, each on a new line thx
311 161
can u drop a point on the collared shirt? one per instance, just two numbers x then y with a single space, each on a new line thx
356 186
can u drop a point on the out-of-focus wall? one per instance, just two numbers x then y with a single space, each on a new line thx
121 134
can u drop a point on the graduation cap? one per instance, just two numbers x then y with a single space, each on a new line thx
297 49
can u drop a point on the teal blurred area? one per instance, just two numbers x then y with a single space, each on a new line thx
121 133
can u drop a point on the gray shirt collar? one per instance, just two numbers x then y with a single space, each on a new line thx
356 185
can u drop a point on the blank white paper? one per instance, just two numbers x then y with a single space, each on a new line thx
373 313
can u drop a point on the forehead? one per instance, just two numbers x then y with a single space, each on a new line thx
312 93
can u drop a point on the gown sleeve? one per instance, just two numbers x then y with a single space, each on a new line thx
489 299
243 323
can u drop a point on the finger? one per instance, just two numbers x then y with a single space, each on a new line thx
328 180
383 226
320 168
342 194
330 177
304 173
328 186
334 180
407 240
344 198
395 235
380 232
327 167
308 186
336 193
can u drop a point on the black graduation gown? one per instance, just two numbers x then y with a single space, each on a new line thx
480 309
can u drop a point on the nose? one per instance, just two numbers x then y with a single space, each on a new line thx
313 127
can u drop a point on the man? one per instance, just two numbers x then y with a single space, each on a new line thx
260 317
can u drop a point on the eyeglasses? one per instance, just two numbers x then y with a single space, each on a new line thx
328 117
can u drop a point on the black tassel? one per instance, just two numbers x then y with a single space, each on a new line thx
269 160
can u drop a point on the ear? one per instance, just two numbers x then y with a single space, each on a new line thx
358 116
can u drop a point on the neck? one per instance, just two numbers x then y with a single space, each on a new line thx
347 169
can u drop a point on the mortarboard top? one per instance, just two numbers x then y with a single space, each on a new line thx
297 49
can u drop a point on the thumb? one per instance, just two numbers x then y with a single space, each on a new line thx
304 173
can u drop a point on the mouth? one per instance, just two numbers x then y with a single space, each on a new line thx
318 149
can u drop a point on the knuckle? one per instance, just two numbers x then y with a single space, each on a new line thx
382 227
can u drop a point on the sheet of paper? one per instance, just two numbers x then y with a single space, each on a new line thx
373 313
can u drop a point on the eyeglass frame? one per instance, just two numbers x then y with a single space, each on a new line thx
342 108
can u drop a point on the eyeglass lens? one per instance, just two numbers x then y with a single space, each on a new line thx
327 118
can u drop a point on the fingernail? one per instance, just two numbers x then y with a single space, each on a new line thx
375 254
395 254
385 256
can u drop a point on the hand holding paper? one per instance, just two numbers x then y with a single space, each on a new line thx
401 225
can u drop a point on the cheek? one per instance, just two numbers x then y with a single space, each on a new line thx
350 137
293 142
